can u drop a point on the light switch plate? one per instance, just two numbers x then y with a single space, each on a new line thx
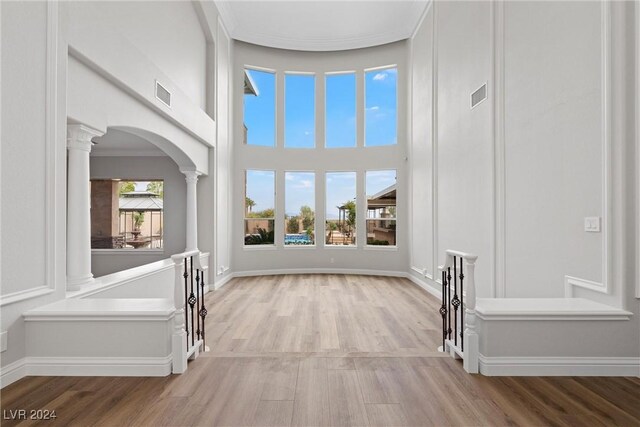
3 341
592 224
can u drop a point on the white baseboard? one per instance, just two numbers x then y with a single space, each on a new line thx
363 272
560 366
425 284
86 366
13 372
226 279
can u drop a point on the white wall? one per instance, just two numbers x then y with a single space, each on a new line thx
24 42
318 160
553 144
33 136
168 32
458 145
516 175
421 150
142 41
174 214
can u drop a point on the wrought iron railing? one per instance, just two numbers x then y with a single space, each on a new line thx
189 332
458 308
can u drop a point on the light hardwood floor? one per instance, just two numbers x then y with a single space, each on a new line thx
321 350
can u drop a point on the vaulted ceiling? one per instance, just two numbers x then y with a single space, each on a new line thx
321 25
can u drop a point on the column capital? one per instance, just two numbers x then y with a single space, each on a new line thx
191 176
79 137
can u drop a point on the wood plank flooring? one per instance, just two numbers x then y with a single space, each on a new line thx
326 350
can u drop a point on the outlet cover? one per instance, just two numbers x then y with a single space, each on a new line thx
592 224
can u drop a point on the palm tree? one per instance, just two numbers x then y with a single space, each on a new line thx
249 204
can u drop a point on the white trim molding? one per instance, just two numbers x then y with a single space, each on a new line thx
559 309
560 366
499 232
51 166
570 282
85 366
637 104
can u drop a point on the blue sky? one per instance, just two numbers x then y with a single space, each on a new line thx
340 188
380 107
377 181
299 111
260 111
340 129
261 189
340 109
299 190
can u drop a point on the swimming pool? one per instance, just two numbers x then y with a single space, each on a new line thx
297 239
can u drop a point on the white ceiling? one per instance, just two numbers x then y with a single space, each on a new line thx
321 25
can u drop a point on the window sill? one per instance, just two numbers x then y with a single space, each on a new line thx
287 247
341 247
380 248
259 247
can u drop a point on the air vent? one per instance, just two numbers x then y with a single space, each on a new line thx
163 94
479 95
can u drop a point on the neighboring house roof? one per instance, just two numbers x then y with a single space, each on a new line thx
140 201
250 87
386 197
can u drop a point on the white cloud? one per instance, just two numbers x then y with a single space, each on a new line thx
289 177
305 183
306 132
374 108
380 76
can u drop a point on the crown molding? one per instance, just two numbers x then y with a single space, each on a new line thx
233 27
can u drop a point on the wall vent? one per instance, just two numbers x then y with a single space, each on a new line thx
479 95
163 94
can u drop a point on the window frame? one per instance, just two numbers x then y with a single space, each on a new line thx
275 212
364 104
355 231
314 75
315 210
367 219
275 104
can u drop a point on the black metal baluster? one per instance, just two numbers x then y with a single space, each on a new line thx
198 303
462 307
449 297
443 309
455 301
186 309
203 310
192 302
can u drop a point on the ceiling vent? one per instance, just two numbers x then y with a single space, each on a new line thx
479 95
163 94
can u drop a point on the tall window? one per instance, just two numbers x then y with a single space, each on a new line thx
381 115
341 208
259 212
299 217
299 111
340 110
259 108
127 214
381 208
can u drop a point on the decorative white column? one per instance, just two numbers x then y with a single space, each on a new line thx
192 210
79 206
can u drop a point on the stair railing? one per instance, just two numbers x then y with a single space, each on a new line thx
188 336
459 334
